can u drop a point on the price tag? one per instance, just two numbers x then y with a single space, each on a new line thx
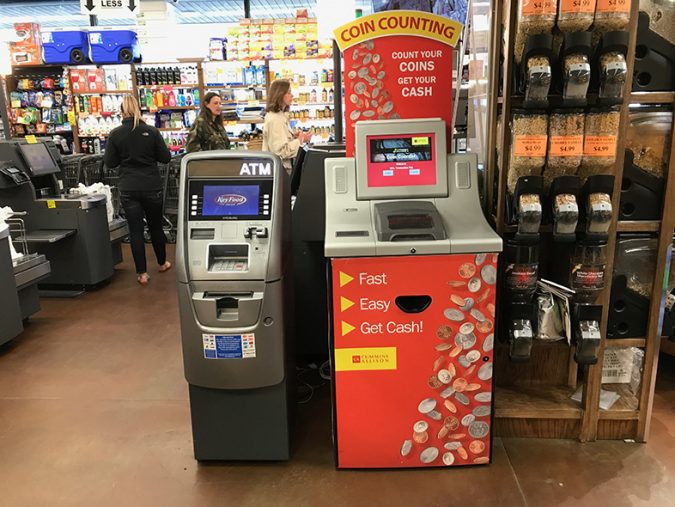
51 204
539 7
71 116
566 146
600 146
30 139
530 146
613 6
575 6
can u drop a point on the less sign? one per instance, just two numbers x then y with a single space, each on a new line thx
109 7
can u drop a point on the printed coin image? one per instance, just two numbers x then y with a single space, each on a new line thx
457 436
352 74
485 326
479 429
434 383
468 419
483 397
395 116
463 361
370 45
450 406
485 371
376 58
447 392
491 309
462 398
452 446
466 341
371 81
441 347
468 372
354 115
480 258
438 362
451 422
368 114
489 343
489 274
367 59
484 296
466 328
448 459
356 54
462 453
451 368
443 432
456 283
426 406
476 447
381 75
455 352
458 300
354 98
388 107
467 305
454 315
421 438
474 285
429 454
406 447
473 356
360 88
435 415
459 384
482 411
495 258
444 376
363 72
478 315
483 460
373 103
444 332
376 92
472 387
421 426
467 270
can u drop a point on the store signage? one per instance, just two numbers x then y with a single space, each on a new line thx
398 64
109 7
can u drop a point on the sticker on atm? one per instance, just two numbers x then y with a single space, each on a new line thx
420 141
365 358
237 346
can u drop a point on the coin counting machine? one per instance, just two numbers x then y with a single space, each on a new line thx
233 263
71 231
402 202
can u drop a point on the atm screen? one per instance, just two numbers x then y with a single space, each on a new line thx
38 159
401 160
230 200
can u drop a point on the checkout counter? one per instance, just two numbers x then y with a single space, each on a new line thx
71 231
234 267
413 282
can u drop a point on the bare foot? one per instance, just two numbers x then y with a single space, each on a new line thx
165 267
143 278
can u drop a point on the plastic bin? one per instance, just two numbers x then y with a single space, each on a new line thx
65 47
114 46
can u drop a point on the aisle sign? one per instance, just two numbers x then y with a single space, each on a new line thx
398 64
109 8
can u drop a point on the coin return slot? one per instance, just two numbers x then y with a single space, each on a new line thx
413 304
202 233
228 258
351 234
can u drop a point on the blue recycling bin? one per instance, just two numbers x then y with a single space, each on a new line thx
114 46
65 47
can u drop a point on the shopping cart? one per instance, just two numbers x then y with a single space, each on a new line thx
171 175
94 170
71 170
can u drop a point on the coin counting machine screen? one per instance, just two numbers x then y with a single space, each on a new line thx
38 159
401 160
230 200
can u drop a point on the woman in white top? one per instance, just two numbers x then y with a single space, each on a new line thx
278 137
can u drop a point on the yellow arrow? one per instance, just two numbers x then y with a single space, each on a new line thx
345 279
347 328
345 304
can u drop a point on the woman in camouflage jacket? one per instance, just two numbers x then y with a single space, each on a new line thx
207 132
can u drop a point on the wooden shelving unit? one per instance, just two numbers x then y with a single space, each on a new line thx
532 399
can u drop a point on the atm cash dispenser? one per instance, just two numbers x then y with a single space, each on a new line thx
413 284
71 231
233 256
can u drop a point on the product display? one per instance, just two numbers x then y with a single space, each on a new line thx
575 15
529 213
600 138
648 138
528 148
537 80
186 75
534 17
564 192
598 213
565 144
587 277
576 68
612 14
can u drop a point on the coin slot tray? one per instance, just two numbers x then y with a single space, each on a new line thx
654 68
413 304
628 311
641 193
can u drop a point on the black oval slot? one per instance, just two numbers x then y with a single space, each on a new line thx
413 304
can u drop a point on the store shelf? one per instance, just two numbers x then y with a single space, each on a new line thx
234 86
182 129
104 92
667 346
638 226
624 343
536 402
625 408
652 97
321 104
174 108
154 87
327 84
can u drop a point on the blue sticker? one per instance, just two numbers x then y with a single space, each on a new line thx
239 346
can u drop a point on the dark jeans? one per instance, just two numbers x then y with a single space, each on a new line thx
148 203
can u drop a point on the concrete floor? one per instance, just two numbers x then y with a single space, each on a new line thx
93 411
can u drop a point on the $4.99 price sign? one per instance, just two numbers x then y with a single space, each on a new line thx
576 6
613 6
537 7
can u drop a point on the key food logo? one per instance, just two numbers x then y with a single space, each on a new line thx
230 200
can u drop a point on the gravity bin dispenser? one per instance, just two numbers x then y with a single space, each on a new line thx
233 259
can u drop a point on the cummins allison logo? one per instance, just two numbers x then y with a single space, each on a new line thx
230 200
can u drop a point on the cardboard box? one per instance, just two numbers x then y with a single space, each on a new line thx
26 48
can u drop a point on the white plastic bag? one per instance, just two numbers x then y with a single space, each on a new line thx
99 188
6 213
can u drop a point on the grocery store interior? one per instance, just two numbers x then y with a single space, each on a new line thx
371 252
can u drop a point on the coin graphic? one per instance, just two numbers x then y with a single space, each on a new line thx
457 436
489 274
448 459
454 315
467 270
354 98
363 72
434 383
450 406
376 58
483 397
352 74
368 114
360 87
388 107
452 446
483 460
474 285
466 341
479 429
468 372
441 347
462 453
426 406
356 54
478 315
468 419
438 362
462 398
443 432
376 92
456 283
473 356
466 328
476 447
428 455
447 392
491 309
420 426
370 45
435 415
463 361
459 384
472 387
485 371
444 332
354 115
421 438
468 304
406 448
480 258
444 376
485 326
367 59
458 300
395 116
489 343
482 411
451 368
455 352
380 76
484 295
451 422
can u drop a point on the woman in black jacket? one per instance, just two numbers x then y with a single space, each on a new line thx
137 148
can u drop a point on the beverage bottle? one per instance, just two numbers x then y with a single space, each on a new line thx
172 99
148 99
160 98
195 93
324 95
331 95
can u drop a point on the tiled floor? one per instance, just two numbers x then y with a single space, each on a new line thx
93 411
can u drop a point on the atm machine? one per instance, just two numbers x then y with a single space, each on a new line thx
233 262
413 284
71 231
